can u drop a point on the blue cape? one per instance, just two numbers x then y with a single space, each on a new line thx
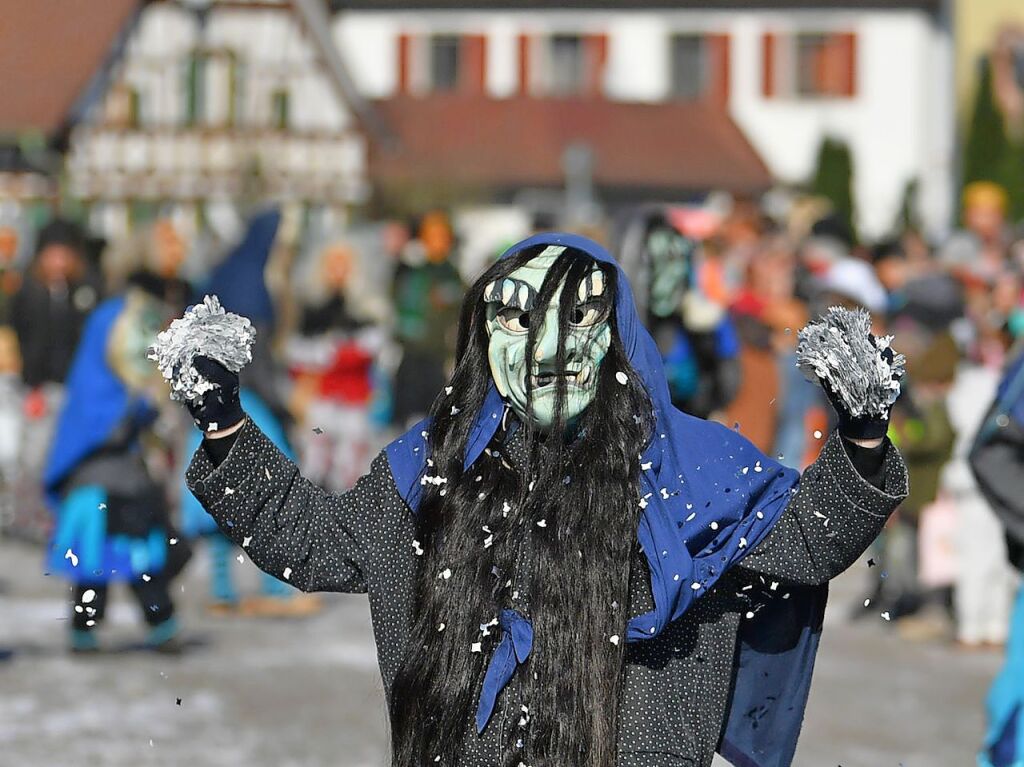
96 400
709 497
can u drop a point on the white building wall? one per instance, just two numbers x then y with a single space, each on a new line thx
898 125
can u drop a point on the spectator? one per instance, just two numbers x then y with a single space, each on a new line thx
50 308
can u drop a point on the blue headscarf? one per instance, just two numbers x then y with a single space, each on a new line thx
238 280
709 497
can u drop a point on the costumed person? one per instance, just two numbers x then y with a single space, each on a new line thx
697 339
562 568
997 461
239 281
112 517
333 359
427 290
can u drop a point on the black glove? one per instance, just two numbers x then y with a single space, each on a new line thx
220 408
863 426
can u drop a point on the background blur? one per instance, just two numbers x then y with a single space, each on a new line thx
340 171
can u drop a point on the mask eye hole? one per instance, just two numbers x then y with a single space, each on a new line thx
589 314
514 320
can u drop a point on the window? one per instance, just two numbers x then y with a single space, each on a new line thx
689 67
211 87
810 65
567 67
444 62
279 108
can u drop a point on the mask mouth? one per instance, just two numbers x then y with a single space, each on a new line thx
545 380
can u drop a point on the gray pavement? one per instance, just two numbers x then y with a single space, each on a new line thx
275 693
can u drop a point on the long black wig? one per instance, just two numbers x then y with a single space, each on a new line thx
559 523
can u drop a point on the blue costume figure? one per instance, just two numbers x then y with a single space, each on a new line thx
111 516
997 465
239 283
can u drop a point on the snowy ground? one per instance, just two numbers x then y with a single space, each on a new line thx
307 693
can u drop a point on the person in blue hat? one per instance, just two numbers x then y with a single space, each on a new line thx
562 568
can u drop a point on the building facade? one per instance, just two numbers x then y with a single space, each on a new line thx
876 75
212 105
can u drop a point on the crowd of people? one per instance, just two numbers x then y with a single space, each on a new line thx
356 333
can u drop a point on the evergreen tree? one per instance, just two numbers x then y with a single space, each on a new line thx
833 180
986 147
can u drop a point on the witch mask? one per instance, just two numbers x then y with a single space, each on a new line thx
570 339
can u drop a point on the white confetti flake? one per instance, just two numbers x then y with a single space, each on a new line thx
614 639
646 466
542 523
446 573
476 647
287 573
448 390
79 609
240 558
622 378
229 491
417 548
714 525
488 541
760 515
750 614
455 410
69 554
867 602
246 541
266 471
664 494
690 518
886 616
440 627
817 433
695 586
743 542
675 577
173 541
146 577
90 623
88 596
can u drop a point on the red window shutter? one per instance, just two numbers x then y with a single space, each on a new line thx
404 53
524 64
473 50
596 48
717 88
769 45
846 64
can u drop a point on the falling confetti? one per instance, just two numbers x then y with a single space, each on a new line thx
69 554
317 430
886 616
622 378
88 596
287 573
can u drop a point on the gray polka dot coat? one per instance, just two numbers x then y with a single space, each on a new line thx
677 685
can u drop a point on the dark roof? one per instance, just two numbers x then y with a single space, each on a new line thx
50 53
516 142
932 6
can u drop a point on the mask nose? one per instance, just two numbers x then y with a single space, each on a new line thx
546 348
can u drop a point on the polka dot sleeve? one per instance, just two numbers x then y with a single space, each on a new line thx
833 517
288 526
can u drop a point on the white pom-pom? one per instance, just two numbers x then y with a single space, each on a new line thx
206 330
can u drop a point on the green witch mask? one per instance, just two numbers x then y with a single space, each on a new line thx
587 336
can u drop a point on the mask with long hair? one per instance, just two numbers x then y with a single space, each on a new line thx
549 531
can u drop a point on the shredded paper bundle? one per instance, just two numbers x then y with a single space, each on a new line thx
860 369
206 330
